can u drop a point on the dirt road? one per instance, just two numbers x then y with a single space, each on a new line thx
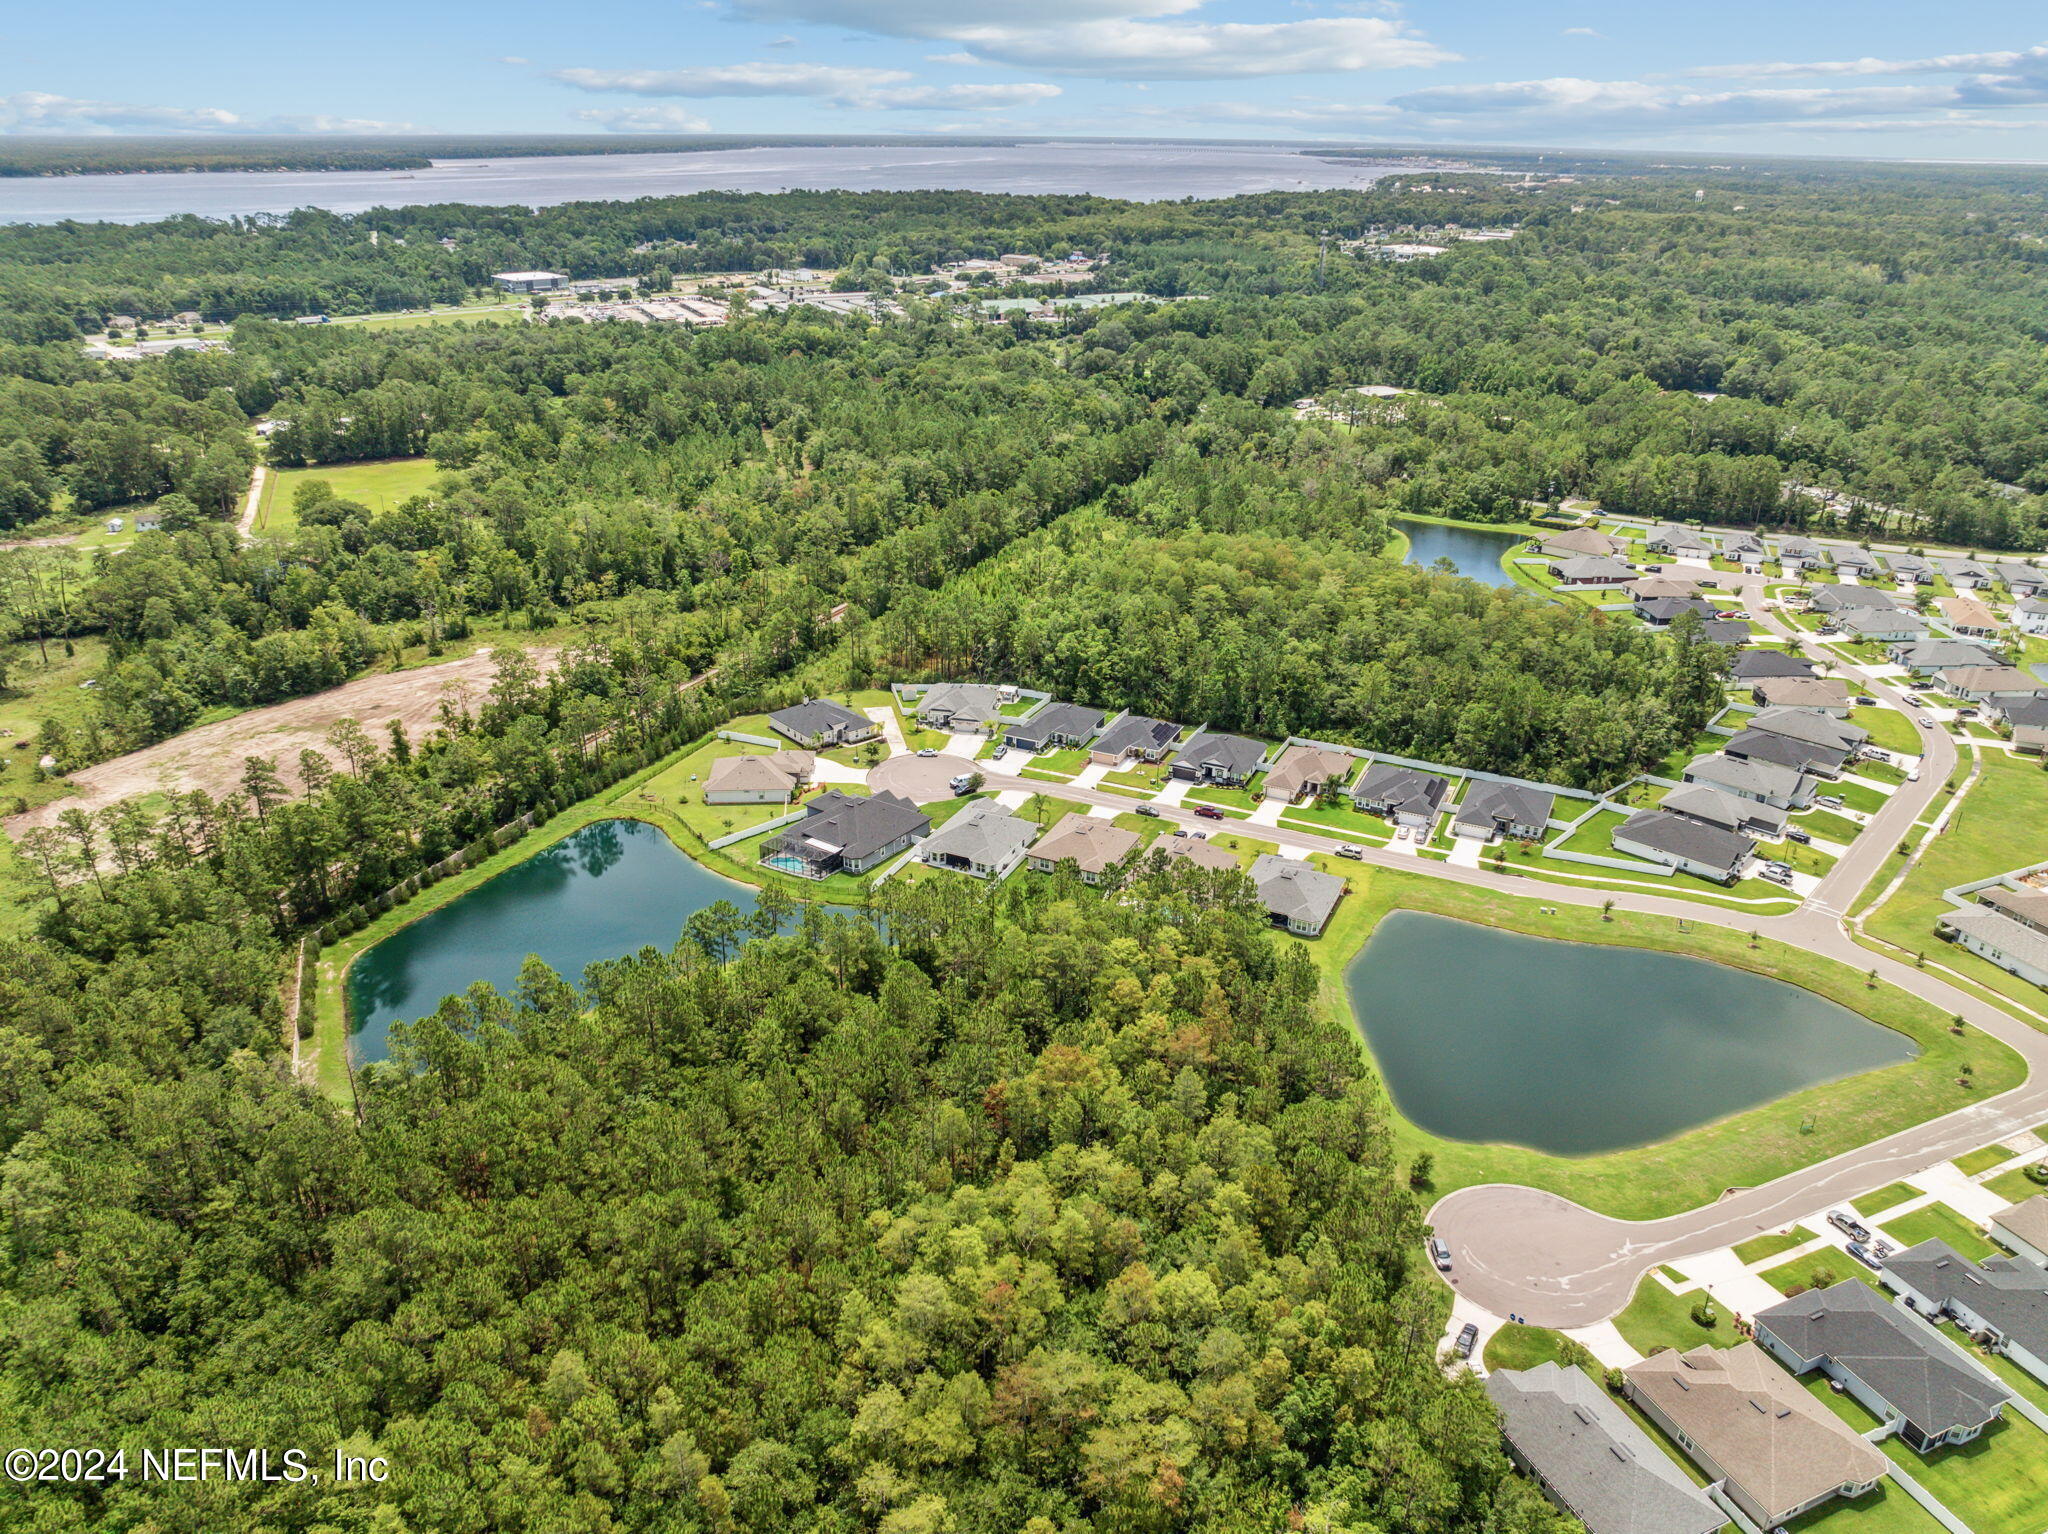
210 757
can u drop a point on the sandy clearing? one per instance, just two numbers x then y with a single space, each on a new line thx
210 757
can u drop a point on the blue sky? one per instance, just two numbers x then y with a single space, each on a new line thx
1874 78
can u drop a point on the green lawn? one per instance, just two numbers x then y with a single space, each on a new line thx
2015 1187
1817 1270
379 485
1879 772
1828 826
1045 810
1657 1318
680 789
1938 1222
1997 1483
2020 1382
1693 1168
1887 1510
1884 1198
1808 860
496 316
1238 803
1982 1160
1524 1347
1147 777
1063 764
2000 817
1341 819
1857 796
1246 847
1757 1248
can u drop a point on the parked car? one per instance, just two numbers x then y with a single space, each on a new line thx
1866 702
1777 873
999 753
1848 1225
1864 1255
1966 713
926 751
1915 699
1208 812
1440 1254
1468 1339
1148 812
1832 801
1350 850
1794 834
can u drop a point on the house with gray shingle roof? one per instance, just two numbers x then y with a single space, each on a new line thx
1776 1450
2013 946
1407 796
1895 1364
1964 574
963 708
984 840
2024 1227
1054 725
819 724
1838 598
1134 735
2027 906
845 833
1591 1459
1591 570
1910 569
1925 657
2023 580
1298 897
1811 725
1211 758
1678 542
2030 615
1690 846
1490 810
1755 665
1883 625
1989 684
1821 761
1716 807
1800 554
2005 1299
1766 782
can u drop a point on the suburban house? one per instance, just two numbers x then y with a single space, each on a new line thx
1910 569
1897 1367
1304 771
1405 795
1840 599
1591 570
1800 554
1755 745
1754 665
2030 616
1716 807
2024 1228
2005 1298
2022 580
1210 758
1491 810
1194 849
1054 725
1884 625
1765 782
1678 542
1746 550
1581 542
1927 656
1591 1459
1823 695
1728 631
1775 1449
2027 906
2012 946
962 708
1810 725
1134 735
2027 718
819 723
769 779
1851 560
1964 574
1298 897
1969 617
1650 587
845 833
984 840
1658 612
1690 846
1093 846
1987 684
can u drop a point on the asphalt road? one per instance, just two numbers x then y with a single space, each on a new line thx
1554 1263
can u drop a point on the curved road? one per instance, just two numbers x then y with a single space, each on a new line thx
1555 1263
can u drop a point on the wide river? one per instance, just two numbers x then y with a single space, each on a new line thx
599 893
1137 172
1578 1048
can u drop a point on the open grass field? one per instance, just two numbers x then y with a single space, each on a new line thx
1693 1168
680 789
379 485
497 314
1887 1197
2000 819
1757 1248
1938 1222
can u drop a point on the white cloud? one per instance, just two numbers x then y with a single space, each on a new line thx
1582 32
786 40
969 98
42 112
757 79
512 58
2019 61
647 119
1125 39
952 58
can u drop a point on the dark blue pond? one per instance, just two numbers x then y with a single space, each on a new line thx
607 890
1475 552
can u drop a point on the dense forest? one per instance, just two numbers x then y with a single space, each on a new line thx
1024 1211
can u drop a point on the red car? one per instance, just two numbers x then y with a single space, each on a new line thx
1208 812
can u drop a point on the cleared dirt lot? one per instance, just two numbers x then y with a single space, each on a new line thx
210 757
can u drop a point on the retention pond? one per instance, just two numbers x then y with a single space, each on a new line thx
606 890
1574 1049
1475 552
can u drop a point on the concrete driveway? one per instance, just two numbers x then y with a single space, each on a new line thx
920 779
